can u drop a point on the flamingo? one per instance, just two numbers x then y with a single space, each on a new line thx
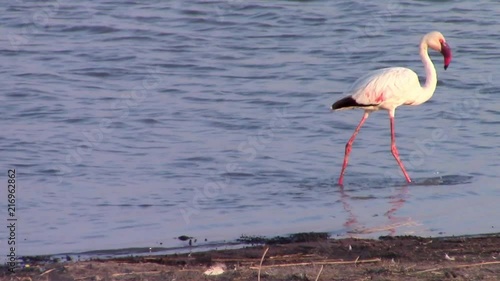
388 88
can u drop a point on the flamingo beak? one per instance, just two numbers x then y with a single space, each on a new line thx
446 52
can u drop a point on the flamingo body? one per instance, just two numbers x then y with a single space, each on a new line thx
385 88
388 88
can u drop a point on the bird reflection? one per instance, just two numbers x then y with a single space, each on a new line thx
396 202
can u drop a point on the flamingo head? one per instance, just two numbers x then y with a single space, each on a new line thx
436 41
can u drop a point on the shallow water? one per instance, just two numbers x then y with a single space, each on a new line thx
130 124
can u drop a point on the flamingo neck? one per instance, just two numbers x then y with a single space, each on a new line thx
430 72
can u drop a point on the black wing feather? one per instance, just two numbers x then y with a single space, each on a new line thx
348 102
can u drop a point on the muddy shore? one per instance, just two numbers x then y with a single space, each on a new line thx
308 256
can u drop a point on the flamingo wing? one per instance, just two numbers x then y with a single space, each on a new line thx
392 86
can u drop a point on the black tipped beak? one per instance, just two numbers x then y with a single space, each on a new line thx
446 52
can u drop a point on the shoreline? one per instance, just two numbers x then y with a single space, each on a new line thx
302 256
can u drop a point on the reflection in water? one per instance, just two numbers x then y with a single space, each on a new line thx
352 220
396 202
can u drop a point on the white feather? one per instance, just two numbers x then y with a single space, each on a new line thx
387 88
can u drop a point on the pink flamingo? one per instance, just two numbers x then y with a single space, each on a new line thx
389 88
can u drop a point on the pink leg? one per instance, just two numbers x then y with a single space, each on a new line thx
394 149
348 147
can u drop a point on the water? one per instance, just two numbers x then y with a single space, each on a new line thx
130 124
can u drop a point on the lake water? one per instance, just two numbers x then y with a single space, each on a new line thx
130 124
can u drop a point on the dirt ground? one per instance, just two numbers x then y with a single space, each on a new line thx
306 256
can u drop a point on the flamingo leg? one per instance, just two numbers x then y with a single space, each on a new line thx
394 149
348 146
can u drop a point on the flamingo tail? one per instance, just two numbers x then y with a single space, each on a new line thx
347 103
